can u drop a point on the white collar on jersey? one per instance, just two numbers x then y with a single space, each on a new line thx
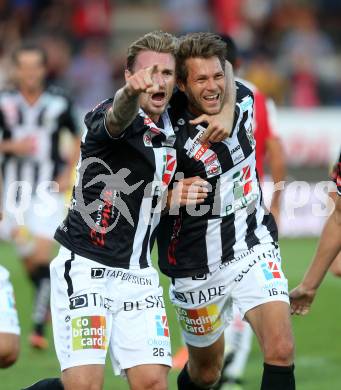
167 129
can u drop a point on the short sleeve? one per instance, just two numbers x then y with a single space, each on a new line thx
95 121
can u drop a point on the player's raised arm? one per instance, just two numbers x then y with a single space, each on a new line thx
126 102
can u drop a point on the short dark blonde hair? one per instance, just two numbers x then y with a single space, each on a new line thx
158 41
198 45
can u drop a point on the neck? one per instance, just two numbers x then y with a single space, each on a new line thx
154 118
31 95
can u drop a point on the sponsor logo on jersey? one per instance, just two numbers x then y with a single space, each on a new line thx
169 161
200 152
199 321
150 302
91 299
79 301
271 270
161 325
89 332
100 273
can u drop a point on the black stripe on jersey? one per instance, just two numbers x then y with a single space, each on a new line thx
19 167
143 257
228 237
67 276
20 116
55 156
36 171
243 139
40 117
270 223
250 238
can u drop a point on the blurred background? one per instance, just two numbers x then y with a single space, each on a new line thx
291 50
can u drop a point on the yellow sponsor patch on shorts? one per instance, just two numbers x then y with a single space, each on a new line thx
89 332
199 321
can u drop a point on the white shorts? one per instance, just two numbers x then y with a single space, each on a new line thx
96 308
204 304
40 217
9 322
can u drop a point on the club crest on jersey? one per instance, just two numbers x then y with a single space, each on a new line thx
242 183
147 139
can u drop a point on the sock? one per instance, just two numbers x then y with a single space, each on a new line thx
41 279
47 384
185 382
278 377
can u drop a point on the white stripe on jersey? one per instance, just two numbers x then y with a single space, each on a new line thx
141 229
164 158
213 240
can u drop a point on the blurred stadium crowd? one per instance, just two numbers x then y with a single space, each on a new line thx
297 43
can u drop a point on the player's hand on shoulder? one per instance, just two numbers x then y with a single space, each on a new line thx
142 81
301 299
216 130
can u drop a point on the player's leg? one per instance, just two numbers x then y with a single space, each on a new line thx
9 349
271 323
204 366
37 266
261 293
87 377
81 321
140 341
203 307
238 341
148 377
9 324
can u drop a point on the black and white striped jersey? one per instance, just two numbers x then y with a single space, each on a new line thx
44 121
119 186
233 218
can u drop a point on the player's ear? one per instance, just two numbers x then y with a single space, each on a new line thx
181 85
127 74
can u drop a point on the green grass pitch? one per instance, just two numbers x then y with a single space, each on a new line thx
318 336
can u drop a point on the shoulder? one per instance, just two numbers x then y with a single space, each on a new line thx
98 111
57 93
243 91
8 93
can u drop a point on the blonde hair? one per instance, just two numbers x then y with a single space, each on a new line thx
158 41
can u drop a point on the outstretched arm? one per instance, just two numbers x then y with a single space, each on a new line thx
329 246
126 102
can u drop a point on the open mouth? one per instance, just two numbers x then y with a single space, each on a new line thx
158 97
212 98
